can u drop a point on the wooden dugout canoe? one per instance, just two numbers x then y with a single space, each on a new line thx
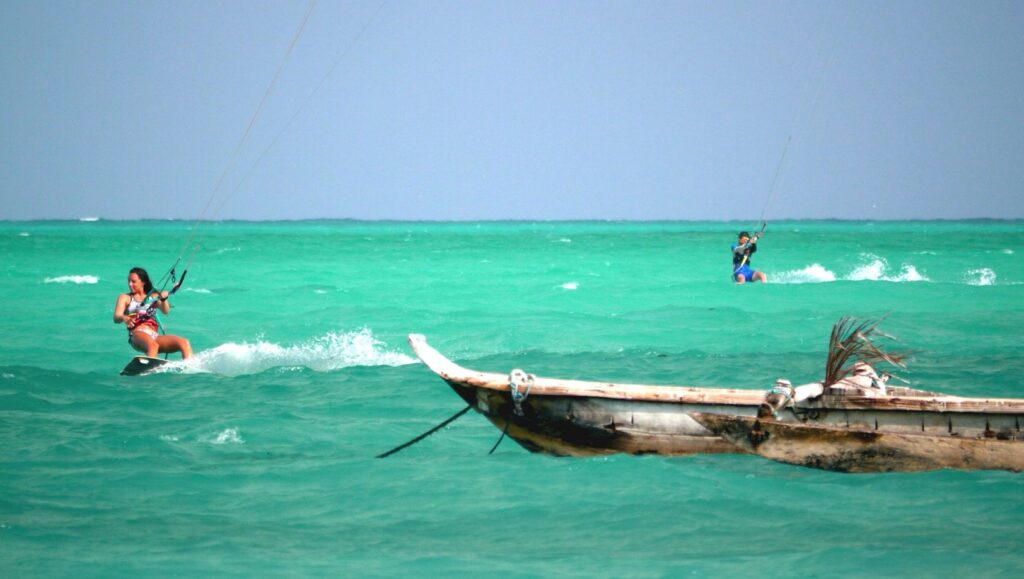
834 429
577 418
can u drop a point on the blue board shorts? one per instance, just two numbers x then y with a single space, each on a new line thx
748 273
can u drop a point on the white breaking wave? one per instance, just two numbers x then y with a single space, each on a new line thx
90 219
1008 251
332 351
873 271
23 234
570 285
878 270
983 276
908 273
814 273
79 279
198 290
227 436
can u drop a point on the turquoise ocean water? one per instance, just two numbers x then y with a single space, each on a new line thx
257 457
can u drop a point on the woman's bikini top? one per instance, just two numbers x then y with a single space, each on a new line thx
134 307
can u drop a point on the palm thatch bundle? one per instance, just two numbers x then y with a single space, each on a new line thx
852 341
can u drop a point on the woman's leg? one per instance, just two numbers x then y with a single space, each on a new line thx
144 343
172 344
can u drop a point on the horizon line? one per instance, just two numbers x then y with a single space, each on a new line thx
502 220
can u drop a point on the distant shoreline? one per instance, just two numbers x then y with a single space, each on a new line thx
93 220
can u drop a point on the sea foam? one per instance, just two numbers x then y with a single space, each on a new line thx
908 273
332 351
872 271
877 269
78 279
983 276
226 436
814 273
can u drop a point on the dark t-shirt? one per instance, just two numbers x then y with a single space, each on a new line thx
737 258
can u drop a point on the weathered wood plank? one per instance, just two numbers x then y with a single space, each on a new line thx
845 450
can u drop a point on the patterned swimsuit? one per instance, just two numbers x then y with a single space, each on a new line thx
148 326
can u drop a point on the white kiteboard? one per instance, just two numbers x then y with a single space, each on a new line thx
141 365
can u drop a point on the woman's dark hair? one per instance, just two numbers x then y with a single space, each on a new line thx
144 277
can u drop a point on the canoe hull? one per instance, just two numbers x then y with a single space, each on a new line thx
573 426
865 450
833 429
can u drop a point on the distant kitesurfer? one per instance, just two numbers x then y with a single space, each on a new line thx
741 252
135 310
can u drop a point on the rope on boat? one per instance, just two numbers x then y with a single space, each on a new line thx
780 396
519 384
427 433
500 438
784 388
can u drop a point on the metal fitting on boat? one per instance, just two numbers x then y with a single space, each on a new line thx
519 384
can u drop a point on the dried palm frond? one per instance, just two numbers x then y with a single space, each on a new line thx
852 341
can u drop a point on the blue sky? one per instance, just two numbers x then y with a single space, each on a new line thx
513 110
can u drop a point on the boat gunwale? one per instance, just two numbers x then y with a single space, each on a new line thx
456 374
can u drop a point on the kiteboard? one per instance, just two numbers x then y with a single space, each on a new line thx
142 365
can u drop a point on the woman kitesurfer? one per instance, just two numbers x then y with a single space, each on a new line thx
741 252
135 310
